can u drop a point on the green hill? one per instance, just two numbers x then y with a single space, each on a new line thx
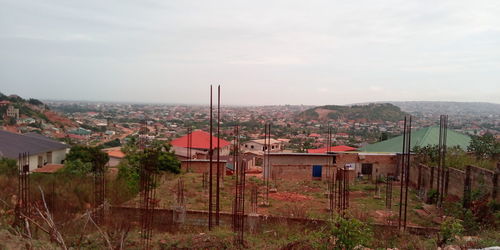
369 112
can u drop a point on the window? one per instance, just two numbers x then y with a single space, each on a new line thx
251 146
366 168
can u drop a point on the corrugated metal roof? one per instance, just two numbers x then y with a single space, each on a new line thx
12 144
200 139
421 138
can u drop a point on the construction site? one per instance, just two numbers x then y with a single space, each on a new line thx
327 200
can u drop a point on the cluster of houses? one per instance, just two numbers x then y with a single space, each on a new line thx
193 151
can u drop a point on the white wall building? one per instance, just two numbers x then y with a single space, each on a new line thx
41 149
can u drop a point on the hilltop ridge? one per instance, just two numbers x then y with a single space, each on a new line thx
367 112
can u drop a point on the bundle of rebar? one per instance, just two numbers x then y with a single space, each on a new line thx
99 193
218 173
341 185
443 128
23 206
180 192
189 148
388 192
266 162
253 199
148 181
405 173
239 199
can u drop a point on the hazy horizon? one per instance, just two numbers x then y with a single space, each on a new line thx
261 52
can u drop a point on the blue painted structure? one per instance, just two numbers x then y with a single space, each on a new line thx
317 171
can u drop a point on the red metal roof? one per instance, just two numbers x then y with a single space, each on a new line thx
200 139
340 148
116 154
49 168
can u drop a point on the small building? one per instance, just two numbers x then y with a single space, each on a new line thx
41 150
4 103
259 145
81 132
382 158
301 166
12 112
200 140
115 156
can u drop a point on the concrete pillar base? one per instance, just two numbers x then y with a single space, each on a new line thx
179 214
253 221
264 204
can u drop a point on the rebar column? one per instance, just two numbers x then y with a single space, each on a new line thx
217 195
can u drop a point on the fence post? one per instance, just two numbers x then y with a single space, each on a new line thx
419 180
494 192
446 181
467 188
432 177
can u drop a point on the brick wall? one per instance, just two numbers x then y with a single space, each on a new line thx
299 166
481 178
163 221
383 164
203 166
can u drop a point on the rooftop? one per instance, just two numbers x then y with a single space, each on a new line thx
199 139
13 144
422 137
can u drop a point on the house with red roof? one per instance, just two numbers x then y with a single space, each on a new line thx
315 135
200 141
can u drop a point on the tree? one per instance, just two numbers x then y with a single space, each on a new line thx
110 144
158 157
82 160
35 102
427 154
8 166
349 233
383 136
484 146
450 228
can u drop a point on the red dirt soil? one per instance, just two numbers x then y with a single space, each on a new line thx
55 118
288 196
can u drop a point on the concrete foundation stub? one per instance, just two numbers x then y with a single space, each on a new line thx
179 214
253 220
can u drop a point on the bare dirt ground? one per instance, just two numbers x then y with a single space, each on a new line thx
323 113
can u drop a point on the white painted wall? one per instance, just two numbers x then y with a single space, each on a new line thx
57 157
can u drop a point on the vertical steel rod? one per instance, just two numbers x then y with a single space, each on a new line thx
210 154
217 204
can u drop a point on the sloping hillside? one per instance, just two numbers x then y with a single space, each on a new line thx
369 112
32 108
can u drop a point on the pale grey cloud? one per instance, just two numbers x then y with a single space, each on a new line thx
267 52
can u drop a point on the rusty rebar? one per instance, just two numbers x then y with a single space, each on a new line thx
239 201
405 173
99 192
402 169
210 154
189 148
23 206
217 195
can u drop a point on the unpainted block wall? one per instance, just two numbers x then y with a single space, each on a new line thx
481 178
203 166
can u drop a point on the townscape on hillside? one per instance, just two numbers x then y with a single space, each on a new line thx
157 176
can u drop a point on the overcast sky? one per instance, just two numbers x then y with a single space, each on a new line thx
261 52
